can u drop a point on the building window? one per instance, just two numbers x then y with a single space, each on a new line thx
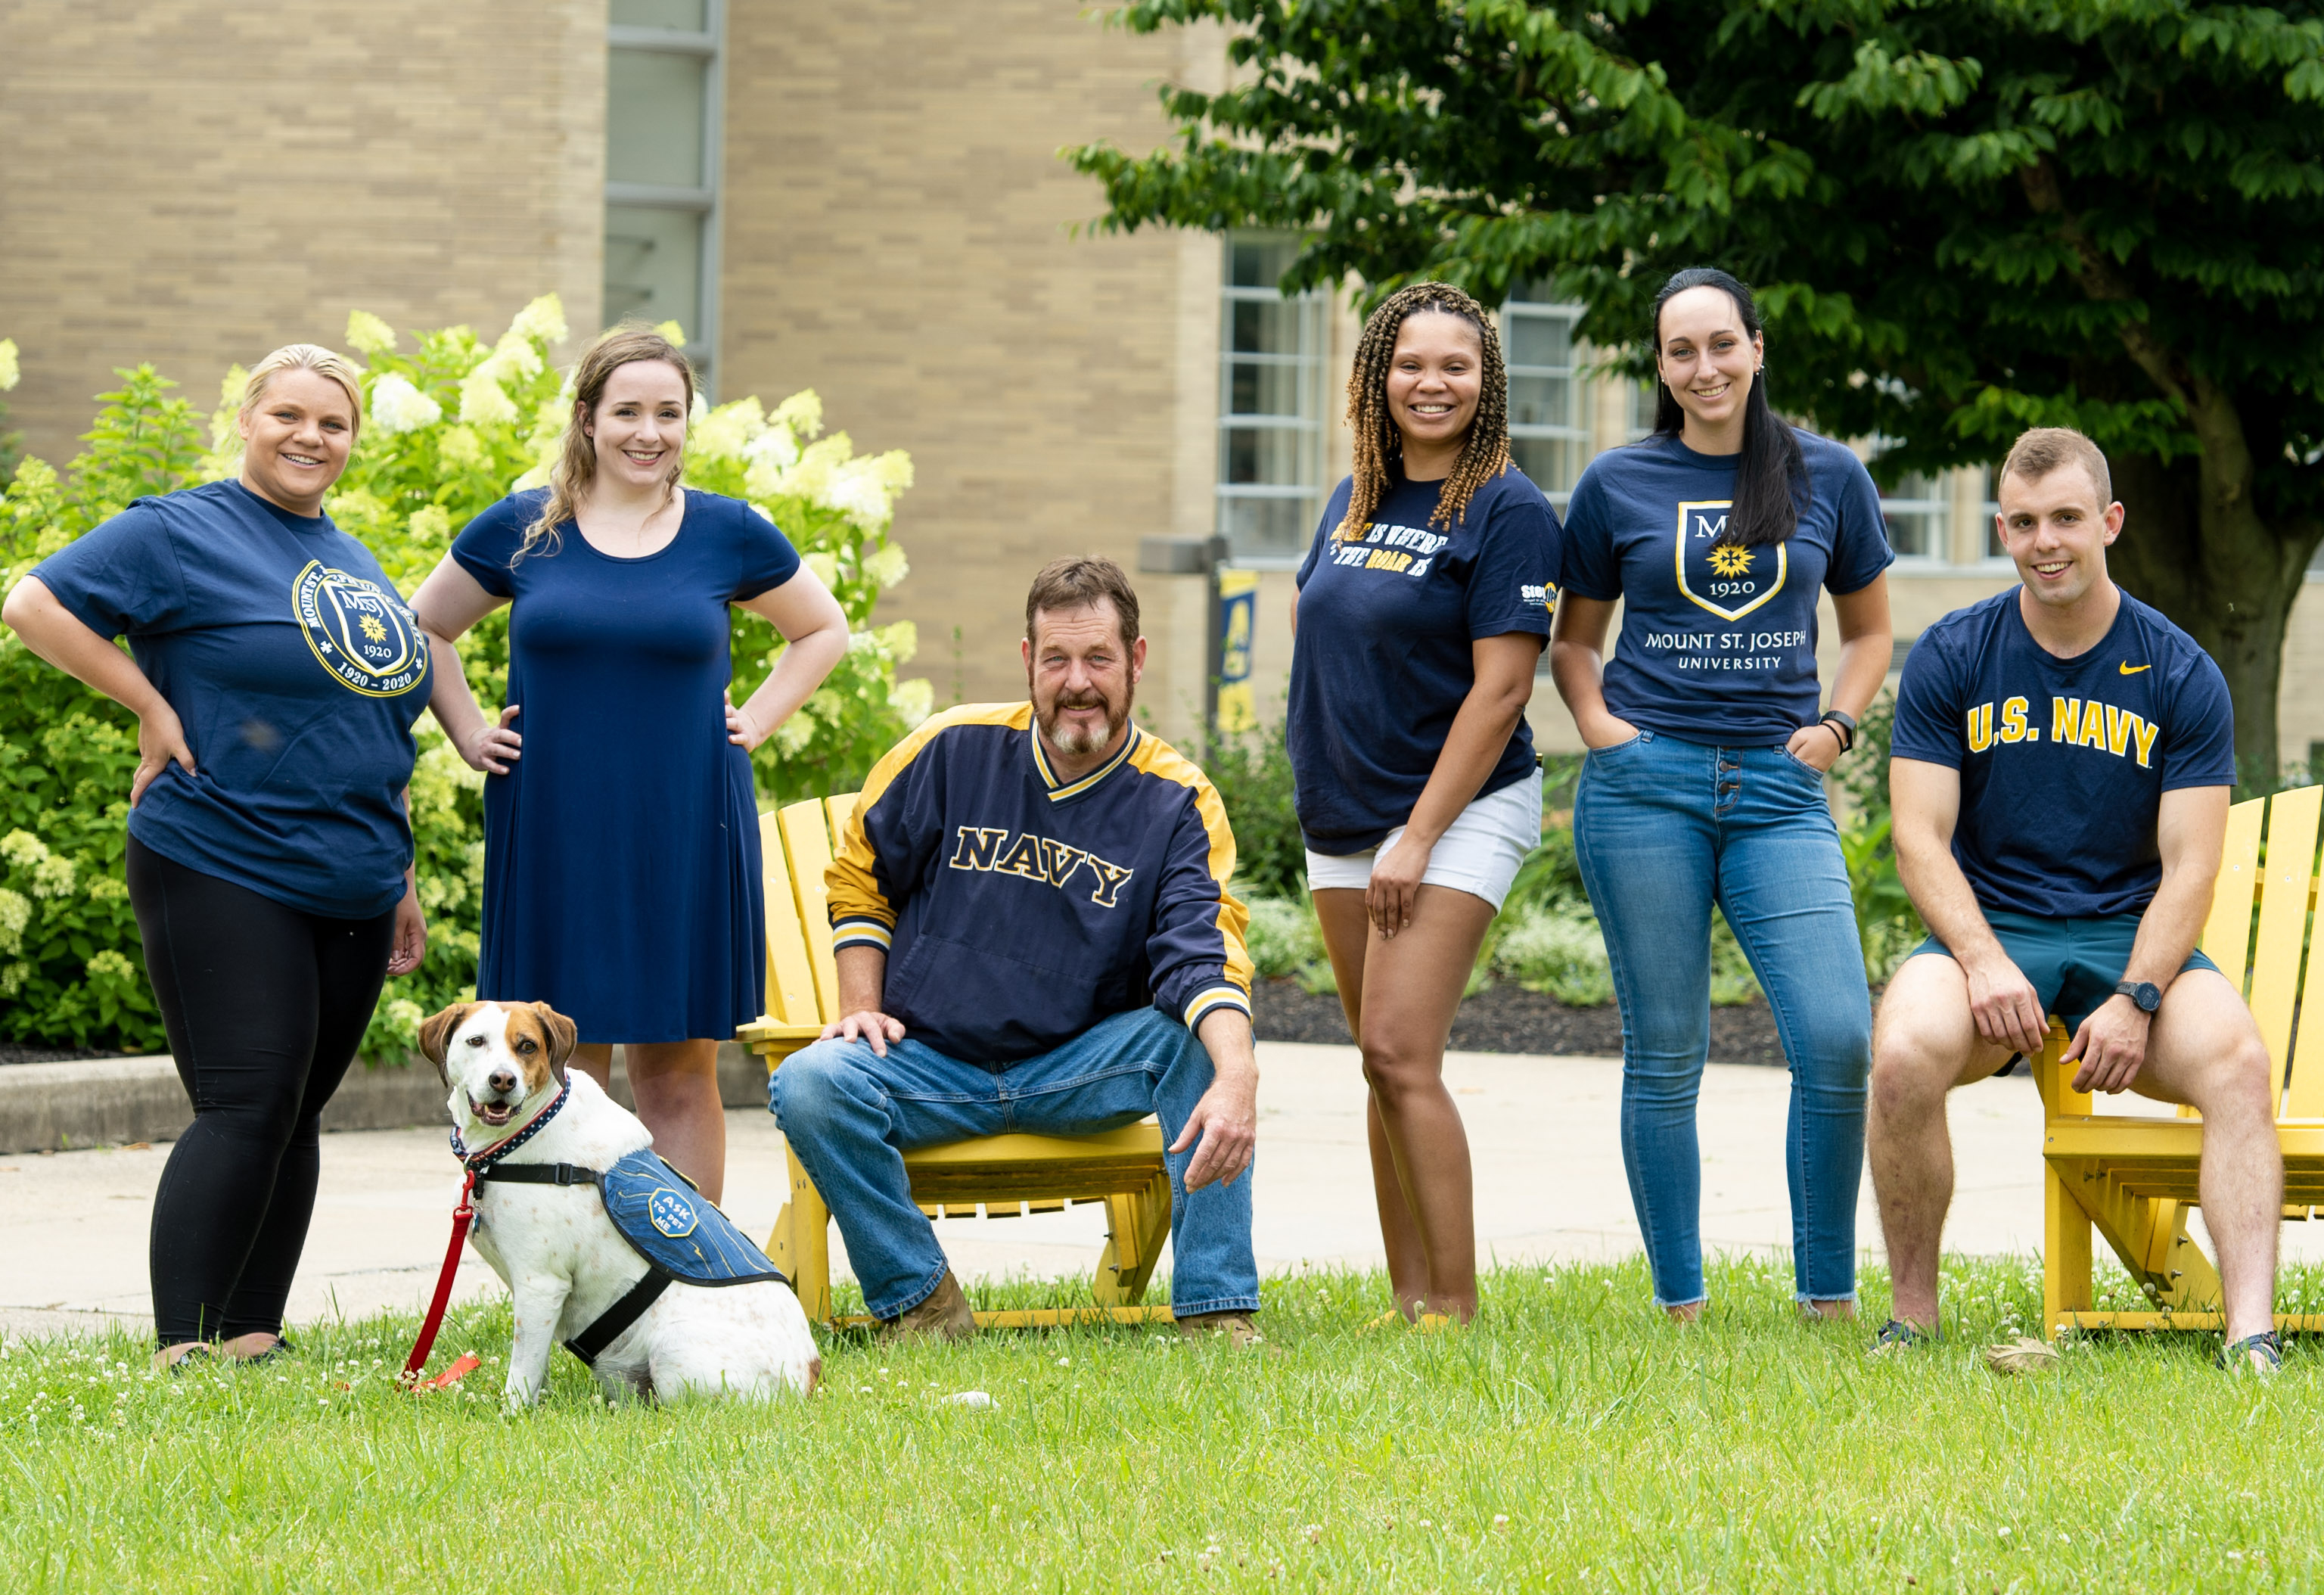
1919 513
1547 436
662 137
1271 396
1990 504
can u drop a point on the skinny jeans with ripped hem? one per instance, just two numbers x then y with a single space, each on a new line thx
1663 828
851 1115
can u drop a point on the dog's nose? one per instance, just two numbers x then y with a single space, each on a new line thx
502 1080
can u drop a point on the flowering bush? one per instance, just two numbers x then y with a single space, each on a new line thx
449 428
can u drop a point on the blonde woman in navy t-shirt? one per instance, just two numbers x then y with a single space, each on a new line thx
1421 614
1704 779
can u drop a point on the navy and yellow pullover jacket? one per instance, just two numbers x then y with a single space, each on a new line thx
1017 911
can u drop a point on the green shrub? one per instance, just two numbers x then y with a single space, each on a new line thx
1557 951
450 428
1252 774
1284 939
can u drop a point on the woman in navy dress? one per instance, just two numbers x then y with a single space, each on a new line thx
622 869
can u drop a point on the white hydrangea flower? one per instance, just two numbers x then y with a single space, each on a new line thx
11 979
431 524
111 963
460 446
484 403
513 358
15 913
825 568
802 412
673 332
887 566
397 407
52 877
792 736
857 493
544 318
727 432
23 849
914 700
536 477
369 334
11 373
902 639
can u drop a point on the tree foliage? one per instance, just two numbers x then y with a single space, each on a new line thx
449 428
1963 218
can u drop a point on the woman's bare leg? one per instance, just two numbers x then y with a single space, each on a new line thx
1409 990
676 1087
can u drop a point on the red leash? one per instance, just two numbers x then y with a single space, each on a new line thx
476 1163
462 1216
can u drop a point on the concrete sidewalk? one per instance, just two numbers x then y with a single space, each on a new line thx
1543 1131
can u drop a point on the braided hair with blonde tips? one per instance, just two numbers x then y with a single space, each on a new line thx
1484 454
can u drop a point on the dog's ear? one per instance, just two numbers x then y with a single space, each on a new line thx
562 1037
436 1036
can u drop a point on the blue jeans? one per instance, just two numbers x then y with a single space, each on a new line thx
1662 829
851 1115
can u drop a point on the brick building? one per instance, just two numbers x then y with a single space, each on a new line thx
860 199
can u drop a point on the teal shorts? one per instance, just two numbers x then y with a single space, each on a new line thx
2074 964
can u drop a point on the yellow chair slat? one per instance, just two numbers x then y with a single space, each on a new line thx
2284 920
790 980
806 838
2304 1095
2226 934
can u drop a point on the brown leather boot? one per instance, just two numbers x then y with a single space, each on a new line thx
942 1315
1236 1327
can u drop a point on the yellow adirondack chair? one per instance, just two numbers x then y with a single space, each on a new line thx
2135 1178
1007 1176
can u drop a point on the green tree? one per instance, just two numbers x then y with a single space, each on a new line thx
1963 218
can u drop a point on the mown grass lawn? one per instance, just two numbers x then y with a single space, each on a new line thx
1572 1441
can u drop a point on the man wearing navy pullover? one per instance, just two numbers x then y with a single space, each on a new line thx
1030 915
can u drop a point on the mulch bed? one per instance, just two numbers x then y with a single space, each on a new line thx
1510 1019
12 1053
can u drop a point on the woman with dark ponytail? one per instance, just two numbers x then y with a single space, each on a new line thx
1704 779
1421 612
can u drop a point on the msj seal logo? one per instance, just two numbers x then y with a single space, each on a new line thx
362 633
1727 581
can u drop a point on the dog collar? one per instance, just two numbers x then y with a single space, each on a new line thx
477 1162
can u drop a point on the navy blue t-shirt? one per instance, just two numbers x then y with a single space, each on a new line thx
1383 661
1718 644
2063 762
296 671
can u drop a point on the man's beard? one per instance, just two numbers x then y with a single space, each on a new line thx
1080 745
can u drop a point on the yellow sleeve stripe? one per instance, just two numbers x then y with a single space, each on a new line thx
1158 757
849 883
1216 997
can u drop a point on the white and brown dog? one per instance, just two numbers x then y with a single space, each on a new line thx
557 1248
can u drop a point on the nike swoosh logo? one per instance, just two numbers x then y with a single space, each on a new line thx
2134 669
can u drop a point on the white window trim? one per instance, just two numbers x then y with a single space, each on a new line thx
1315 307
709 47
1569 373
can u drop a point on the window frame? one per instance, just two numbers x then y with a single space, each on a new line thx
1311 310
1573 433
708 46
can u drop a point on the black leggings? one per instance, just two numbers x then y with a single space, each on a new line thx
264 1006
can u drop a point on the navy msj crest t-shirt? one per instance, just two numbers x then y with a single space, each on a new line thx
2063 762
1383 658
1718 644
296 671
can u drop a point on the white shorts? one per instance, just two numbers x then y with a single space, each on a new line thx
1479 853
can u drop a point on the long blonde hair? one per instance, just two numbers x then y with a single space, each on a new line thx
314 357
576 455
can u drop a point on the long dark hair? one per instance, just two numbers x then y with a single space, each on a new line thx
1771 479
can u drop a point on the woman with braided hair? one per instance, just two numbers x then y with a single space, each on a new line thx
1704 779
1425 601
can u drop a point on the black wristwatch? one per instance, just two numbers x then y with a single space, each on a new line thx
1844 724
2145 993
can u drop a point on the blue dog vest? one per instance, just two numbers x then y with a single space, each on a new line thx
657 1210
669 1225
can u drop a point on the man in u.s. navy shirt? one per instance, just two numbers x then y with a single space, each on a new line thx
1033 932
2063 757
